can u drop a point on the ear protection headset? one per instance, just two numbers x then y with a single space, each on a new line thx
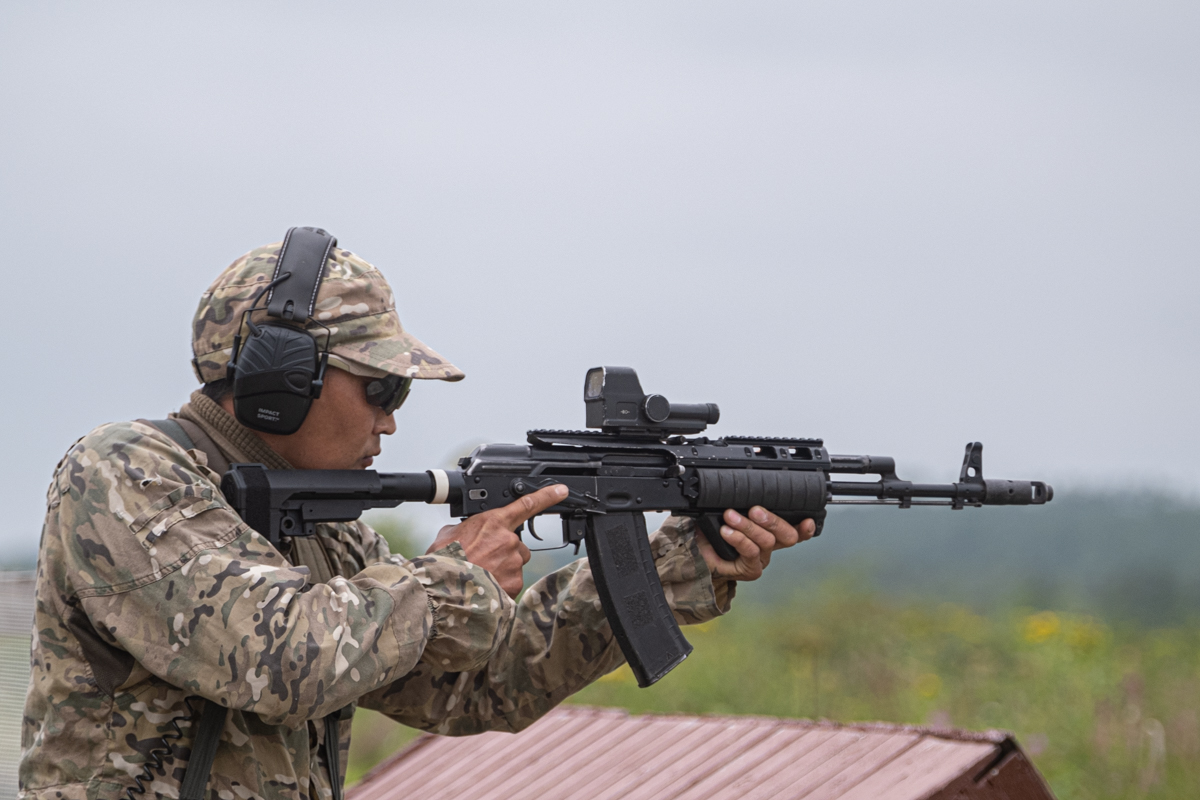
278 372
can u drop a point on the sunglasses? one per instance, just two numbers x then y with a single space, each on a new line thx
388 393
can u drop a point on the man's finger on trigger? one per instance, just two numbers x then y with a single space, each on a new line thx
531 505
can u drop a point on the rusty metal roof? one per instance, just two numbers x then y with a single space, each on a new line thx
581 753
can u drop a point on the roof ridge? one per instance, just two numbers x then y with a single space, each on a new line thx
992 735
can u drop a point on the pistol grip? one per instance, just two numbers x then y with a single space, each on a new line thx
632 596
710 526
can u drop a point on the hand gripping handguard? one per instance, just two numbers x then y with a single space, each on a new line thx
645 456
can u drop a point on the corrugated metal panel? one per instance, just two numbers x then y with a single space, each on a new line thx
578 753
16 627
924 768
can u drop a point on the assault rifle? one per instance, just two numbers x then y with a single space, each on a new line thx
641 459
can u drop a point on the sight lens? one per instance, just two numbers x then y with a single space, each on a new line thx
594 384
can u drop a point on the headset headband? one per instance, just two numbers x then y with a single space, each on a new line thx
304 253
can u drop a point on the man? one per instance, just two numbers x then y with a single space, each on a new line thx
154 599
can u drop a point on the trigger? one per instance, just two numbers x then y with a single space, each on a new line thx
532 532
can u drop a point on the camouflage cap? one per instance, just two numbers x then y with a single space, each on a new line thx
354 301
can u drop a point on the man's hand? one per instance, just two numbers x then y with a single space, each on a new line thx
489 541
755 538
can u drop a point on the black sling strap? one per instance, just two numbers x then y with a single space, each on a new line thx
204 750
173 429
333 754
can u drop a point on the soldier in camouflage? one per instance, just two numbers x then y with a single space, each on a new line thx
152 592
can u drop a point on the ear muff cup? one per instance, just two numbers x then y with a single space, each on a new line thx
273 384
277 372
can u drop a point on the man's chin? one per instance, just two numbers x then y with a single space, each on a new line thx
366 463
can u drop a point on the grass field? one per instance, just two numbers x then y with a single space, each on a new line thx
1105 711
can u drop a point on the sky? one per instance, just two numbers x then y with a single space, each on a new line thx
899 227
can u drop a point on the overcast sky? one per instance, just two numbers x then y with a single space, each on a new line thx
897 226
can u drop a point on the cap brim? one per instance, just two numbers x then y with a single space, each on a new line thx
401 354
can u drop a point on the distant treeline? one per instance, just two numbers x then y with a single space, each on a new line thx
1124 557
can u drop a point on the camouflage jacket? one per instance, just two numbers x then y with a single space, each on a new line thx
151 591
